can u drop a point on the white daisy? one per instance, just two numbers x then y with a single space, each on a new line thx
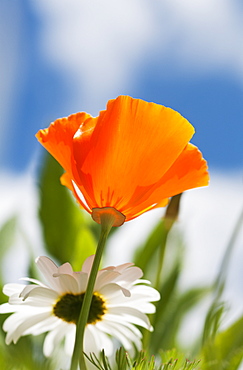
120 301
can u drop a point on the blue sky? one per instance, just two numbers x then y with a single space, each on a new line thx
61 59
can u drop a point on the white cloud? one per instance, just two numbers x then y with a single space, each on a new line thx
101 44
18 197
208 218
208 34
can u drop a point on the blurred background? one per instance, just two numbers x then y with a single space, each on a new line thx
61 57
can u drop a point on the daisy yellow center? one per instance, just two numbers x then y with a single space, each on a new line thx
68 308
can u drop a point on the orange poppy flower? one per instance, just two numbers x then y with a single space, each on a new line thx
131 158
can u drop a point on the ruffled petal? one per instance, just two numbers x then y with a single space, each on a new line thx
57 139
187 172
133 143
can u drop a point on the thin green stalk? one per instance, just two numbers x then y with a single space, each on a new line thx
222 274
170 217
161 258
168 221
78 355
147 334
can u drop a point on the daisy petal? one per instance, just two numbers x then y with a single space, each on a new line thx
22 325
54 337
66 268
88 264
105 278
67 283
10 289
129 275
50 323
38 308
48 269
70 340
129 314
123 267
46 294
113 290
82 279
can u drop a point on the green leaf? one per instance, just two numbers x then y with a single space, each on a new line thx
171 360
226 350
222 274
144 254
66 228
23 356
121 359
213 320
150 256
217 308
7 235
166 328
85 245
175 360
167 291
101 363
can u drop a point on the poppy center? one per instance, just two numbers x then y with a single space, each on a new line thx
68 308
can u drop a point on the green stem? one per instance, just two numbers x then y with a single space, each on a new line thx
167 223
161 259
147 333
78 355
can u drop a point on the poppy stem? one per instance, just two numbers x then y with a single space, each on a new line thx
107 221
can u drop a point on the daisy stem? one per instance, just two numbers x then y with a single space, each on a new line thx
107 221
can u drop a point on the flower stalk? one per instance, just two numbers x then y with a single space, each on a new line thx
168 221
170 217
107 220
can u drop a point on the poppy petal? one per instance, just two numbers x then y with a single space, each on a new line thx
133 142
133 157
188 171
57 139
